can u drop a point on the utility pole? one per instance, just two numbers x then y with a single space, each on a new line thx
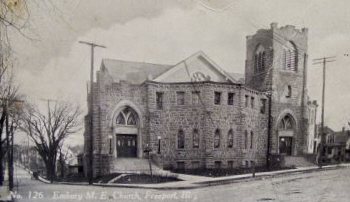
322 61
91 162
51 175
48 110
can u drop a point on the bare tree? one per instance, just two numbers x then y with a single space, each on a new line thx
8 96
48 131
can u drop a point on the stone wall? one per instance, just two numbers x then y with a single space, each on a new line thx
242 117
276 79
206 117
107 97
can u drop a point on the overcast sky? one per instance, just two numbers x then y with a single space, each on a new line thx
56 66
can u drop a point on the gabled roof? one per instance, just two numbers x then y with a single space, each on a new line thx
134 72
326 129
197 66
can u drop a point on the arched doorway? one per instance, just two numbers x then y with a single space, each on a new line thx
286 128
126 133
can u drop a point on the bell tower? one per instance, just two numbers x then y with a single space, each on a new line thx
276 61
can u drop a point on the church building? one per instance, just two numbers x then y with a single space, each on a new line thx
194 114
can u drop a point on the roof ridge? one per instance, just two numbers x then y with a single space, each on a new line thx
127 61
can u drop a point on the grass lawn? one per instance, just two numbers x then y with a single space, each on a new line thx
144 179
226 172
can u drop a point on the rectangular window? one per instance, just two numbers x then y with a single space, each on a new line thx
263 106
246 101
217 98
229 164
180 165
289 92
180 96
245 139
159 100
195 97
252 102
195 164
217 164
230 98
251 139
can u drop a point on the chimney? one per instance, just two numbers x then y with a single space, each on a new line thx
274 25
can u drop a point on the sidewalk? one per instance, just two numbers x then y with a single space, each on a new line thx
192 181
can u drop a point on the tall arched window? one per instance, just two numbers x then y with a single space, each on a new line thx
259 59
181 139
195 138
127 116
290 57
230 139
217 138
287 123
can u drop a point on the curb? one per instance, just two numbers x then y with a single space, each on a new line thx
213 182
264 176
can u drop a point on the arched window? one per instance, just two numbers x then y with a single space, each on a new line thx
181 139
287 123
131 119
217 138
230 139
259 59
195 138
127 116
120 119
290 57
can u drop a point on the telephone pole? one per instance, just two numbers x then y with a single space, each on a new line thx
322 61
91 162
48 109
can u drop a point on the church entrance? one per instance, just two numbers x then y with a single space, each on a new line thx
126 145
126 134
286 145
285 135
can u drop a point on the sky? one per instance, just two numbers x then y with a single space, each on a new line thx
52 64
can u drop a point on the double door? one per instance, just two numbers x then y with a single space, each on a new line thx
126 145
285 145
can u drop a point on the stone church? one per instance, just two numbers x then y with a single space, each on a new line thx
193 114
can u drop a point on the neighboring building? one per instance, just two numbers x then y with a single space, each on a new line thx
202 116
329 133
312 137
336 145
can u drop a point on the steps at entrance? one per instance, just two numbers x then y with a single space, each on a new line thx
297 161
134 165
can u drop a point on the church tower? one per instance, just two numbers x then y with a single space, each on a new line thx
276 62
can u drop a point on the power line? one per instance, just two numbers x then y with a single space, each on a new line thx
92 45
322 61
